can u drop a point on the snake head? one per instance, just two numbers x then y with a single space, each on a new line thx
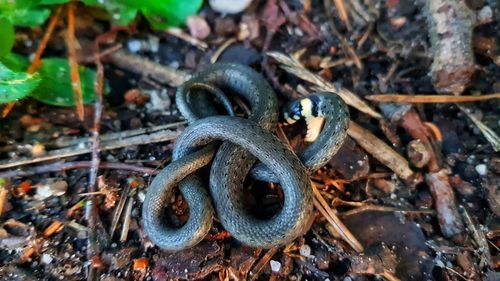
308 109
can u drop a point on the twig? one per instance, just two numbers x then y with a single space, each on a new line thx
65 142
72 60
294 67
3 198
177 32
45 39
430 98
376 208
254 274
339 4
448 217
126 219
488 133
381 151
118 210
84 147
147 68
57 167
38 53
221 49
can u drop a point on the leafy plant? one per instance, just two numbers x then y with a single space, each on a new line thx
16 85
160 14
53 84
24 12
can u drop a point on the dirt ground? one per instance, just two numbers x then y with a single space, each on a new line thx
415 183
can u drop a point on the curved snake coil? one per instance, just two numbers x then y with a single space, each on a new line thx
244 142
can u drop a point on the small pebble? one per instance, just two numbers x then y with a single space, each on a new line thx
134 45
275 265
305 250
485 14
46 259
481 169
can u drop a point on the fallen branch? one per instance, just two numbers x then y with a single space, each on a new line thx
147 68
294 67
430 98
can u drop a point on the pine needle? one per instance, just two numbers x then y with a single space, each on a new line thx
488 133
430 98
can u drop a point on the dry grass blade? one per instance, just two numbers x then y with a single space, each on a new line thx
294 67
334 220
381 151
488 133
430 98
72 59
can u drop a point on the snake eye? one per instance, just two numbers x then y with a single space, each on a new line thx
293 112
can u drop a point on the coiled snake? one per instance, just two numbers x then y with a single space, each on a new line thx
244 141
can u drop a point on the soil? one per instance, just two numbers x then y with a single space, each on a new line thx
384 48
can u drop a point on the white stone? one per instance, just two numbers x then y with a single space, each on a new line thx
229 6
482 169
275 265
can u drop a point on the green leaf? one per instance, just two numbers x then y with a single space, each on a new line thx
53 2
7 36
55 87
15 62
23 12
168 13
16 85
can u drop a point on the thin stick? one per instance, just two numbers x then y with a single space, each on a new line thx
118 210
221 49
57 167
84 148
45 39
430 98
147 68
72 59
339 4
177 32
126 219
254 274
38 53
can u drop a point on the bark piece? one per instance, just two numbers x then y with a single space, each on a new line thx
450 24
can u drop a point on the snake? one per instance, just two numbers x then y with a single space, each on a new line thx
237 147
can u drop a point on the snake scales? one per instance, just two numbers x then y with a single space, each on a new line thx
244 141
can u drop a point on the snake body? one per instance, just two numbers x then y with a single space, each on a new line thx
244 142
